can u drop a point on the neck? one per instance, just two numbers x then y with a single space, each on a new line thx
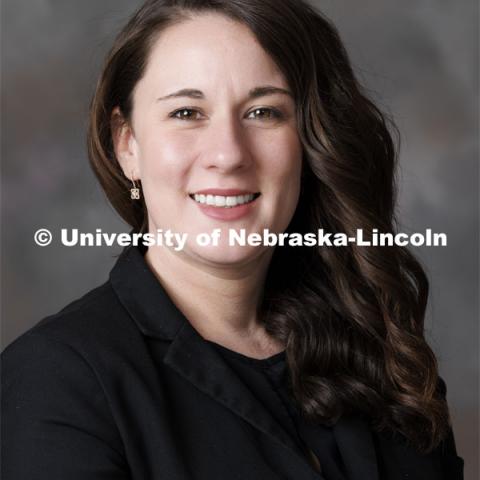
221 302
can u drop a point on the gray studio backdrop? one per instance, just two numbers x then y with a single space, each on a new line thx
418 59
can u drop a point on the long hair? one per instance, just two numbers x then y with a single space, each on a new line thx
351 317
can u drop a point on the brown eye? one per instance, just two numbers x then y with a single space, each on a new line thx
264 113
185 114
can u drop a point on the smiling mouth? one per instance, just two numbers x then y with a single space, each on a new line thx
224 201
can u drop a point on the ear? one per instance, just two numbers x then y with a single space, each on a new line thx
125 145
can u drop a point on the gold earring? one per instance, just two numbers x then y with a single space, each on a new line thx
134 191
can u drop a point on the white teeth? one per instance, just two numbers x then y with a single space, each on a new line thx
222 201
219 201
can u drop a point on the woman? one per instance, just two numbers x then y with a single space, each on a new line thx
219 362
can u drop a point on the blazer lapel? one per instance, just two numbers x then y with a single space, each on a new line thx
355 442
194 359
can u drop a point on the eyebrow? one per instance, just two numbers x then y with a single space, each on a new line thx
256 92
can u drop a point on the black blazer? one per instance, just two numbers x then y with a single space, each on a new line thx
119 385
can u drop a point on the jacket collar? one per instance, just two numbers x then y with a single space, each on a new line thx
143 296
197 361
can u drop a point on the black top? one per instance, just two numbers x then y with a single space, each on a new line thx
119 385
267 379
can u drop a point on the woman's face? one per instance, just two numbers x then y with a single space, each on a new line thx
213 114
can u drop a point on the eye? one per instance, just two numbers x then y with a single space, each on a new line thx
264 113
186 113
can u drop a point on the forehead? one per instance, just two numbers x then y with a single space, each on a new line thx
210 50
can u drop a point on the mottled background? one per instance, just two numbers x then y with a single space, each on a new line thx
417 58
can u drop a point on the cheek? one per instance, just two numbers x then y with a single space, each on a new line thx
282 161
164 159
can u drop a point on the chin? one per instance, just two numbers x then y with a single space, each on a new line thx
227 255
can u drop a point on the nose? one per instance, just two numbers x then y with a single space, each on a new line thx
225 145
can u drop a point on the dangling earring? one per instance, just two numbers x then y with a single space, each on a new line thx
134 191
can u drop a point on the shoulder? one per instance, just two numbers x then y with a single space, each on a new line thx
84 329
65 357
53 390
397 454
46 365
96 311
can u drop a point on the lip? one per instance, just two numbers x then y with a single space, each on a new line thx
226 214
225 192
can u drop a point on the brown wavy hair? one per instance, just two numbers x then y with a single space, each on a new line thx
352 317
